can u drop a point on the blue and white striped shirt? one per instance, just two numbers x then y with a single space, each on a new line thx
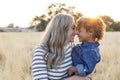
40 70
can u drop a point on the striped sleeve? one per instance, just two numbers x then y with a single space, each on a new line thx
39 68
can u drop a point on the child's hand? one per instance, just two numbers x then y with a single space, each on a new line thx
71 70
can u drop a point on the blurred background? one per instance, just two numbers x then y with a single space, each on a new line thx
22 25
31 16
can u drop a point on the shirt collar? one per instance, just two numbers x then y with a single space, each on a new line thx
90 44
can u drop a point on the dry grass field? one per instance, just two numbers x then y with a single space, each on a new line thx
16 49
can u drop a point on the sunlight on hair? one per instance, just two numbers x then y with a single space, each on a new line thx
92 15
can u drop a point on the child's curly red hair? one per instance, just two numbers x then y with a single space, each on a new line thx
93 25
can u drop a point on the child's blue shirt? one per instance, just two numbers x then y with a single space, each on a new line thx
85 56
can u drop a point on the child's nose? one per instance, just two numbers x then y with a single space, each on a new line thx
76 32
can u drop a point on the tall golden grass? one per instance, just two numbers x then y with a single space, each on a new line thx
16 49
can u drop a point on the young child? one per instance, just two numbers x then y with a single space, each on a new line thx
86 55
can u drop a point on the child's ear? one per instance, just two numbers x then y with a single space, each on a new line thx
91 33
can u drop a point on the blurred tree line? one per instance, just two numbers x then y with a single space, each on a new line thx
40 22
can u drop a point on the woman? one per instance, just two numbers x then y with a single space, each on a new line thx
52 58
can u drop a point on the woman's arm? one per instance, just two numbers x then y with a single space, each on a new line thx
39 67
78 78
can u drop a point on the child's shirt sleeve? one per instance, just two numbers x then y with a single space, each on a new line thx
91 58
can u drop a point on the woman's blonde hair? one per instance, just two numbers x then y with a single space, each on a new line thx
56 37
94 25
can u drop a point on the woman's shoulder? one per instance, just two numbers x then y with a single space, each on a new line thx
40 49
37 47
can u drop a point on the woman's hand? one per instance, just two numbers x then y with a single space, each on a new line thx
78 78
71 70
